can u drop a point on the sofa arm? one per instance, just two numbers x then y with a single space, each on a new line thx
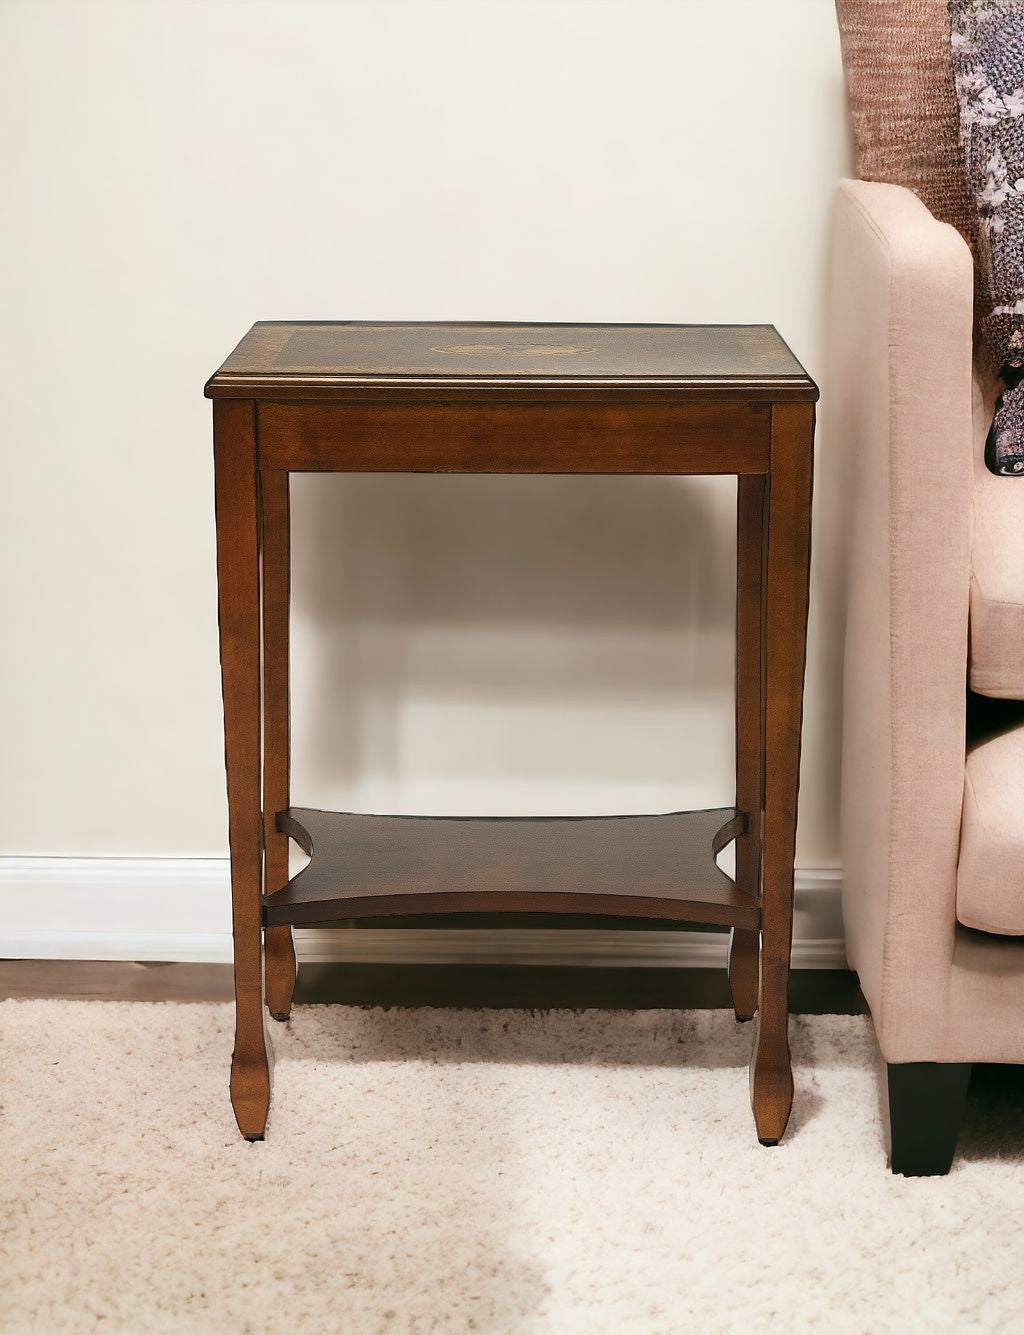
898 432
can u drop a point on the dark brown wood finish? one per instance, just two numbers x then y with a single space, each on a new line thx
279 361
116 980
516 399
275 561
785 634
659 867
632 437
751 558
238 595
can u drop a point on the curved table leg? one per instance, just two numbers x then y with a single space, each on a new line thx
785 626
238 595
279 947
751 529
744 966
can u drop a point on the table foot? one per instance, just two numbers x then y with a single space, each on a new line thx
744 971
251 1064
771 1084
279 971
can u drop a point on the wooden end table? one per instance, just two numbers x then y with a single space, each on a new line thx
508 398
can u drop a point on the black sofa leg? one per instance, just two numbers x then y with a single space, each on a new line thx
926 1103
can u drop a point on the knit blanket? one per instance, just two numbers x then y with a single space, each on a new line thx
988 65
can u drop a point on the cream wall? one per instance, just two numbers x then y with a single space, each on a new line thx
174 170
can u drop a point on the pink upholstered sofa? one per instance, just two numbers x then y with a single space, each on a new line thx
933 772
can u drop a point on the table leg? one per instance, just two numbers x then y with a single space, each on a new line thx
785 627
744 943
238 589
278 945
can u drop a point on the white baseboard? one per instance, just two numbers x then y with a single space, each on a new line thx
180 909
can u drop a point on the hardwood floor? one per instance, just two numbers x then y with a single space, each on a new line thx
812 991
114 980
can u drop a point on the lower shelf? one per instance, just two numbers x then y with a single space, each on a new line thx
629 866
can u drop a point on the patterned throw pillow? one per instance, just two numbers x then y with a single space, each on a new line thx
988 61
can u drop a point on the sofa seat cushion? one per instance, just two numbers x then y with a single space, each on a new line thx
997 573
990 875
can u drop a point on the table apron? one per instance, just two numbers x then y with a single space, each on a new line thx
662 438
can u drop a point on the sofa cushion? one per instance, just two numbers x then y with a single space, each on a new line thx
990 875
906 125
997 573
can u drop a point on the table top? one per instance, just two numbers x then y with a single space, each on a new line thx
278 359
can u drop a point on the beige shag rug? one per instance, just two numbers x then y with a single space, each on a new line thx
486 1171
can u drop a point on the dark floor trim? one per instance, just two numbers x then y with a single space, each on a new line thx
812 991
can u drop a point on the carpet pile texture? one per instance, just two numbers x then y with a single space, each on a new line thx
501 1172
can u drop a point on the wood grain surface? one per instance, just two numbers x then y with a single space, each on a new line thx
614 399
289 359
641 866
